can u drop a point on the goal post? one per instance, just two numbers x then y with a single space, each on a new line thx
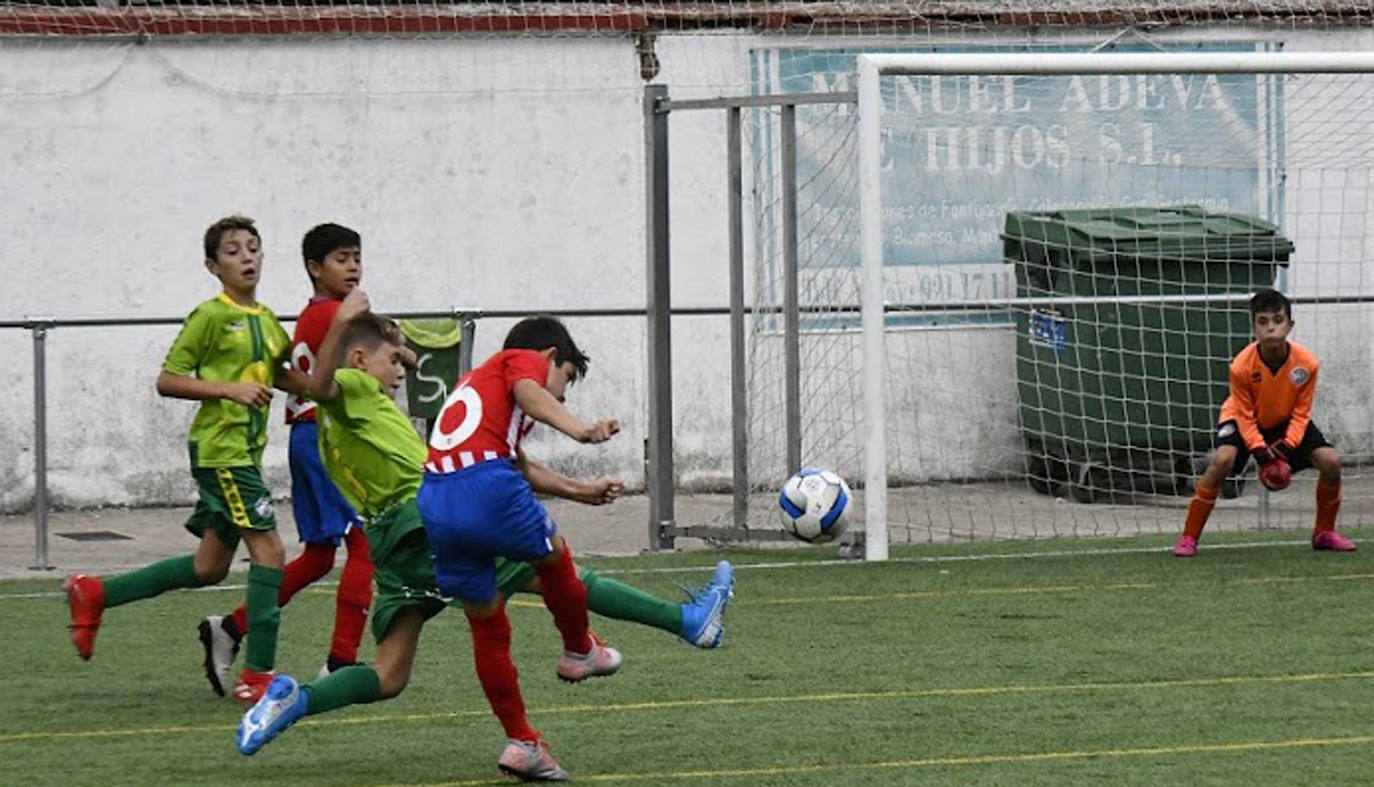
878 304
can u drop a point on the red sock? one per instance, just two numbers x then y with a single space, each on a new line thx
1328 504
311 564
566 598
1199 508
353 599
496 672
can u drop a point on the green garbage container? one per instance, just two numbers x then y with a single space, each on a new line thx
1120 390
438 343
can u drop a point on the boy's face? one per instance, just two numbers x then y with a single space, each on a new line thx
238 261
560 377
339 272
1272 327
382 362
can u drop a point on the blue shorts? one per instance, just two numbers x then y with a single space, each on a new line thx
476 515
323 516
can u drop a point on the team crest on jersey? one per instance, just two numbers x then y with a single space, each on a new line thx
1298 375
1256 378
1226 430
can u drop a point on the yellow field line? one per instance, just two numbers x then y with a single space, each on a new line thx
707 702
945 762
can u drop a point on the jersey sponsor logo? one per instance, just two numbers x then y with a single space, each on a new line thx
236 325
1299 375
1226 430
303 361
458 420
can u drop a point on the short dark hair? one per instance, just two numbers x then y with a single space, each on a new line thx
541 332
321 239
215 233
1268 300
369 331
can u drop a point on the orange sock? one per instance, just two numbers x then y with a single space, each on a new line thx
1204 497
1328 503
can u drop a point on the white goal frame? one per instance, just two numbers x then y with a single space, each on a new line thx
871 67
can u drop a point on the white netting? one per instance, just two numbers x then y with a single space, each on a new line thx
1150 206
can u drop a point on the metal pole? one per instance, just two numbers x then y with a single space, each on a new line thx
739 404
658 308
791 315
40 449
467 332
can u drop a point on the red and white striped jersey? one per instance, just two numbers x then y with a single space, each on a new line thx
480 420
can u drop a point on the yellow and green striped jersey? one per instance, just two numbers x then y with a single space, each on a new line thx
222 341
368 446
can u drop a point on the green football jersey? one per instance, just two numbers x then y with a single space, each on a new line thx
368 446
224 342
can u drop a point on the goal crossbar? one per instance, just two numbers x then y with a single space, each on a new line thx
871 67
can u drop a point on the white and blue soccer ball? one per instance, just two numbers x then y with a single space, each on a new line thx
814 505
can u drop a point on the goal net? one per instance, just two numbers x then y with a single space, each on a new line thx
1063 248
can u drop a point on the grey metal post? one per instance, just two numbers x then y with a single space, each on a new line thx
40 449
739 404
791 313
467 328
659 311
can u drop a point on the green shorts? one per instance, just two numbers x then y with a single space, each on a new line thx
405 571
231 499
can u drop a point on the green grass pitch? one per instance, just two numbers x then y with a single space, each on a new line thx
1050 662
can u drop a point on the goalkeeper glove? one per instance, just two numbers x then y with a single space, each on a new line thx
1275 472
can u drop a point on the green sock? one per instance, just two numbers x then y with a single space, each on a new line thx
624 602
152 580
353 685
264 616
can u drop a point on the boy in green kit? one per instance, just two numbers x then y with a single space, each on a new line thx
229 351
374 456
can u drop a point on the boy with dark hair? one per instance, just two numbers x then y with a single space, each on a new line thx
333 260
370 449
477 502
228 351
1269 416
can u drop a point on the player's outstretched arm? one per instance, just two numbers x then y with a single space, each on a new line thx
322 387
291 381
541 405
551 482
182 386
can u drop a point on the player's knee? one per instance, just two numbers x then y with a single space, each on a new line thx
211 573
1221 465
267 550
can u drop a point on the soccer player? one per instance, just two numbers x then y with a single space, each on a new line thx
333 261
371 450
477 502
1269 416
228 352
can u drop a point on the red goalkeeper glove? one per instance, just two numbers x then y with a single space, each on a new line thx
1275 472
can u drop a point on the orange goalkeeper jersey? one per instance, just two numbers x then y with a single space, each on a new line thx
1263 398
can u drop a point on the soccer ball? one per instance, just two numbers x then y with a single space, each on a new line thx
813 505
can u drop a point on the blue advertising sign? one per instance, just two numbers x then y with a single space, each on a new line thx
959 152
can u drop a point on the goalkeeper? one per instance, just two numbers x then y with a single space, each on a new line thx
1269 416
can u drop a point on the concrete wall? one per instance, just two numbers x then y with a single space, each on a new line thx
502 174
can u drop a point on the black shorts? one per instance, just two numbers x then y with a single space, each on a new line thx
1300 458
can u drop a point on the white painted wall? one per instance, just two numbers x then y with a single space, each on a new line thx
500 173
